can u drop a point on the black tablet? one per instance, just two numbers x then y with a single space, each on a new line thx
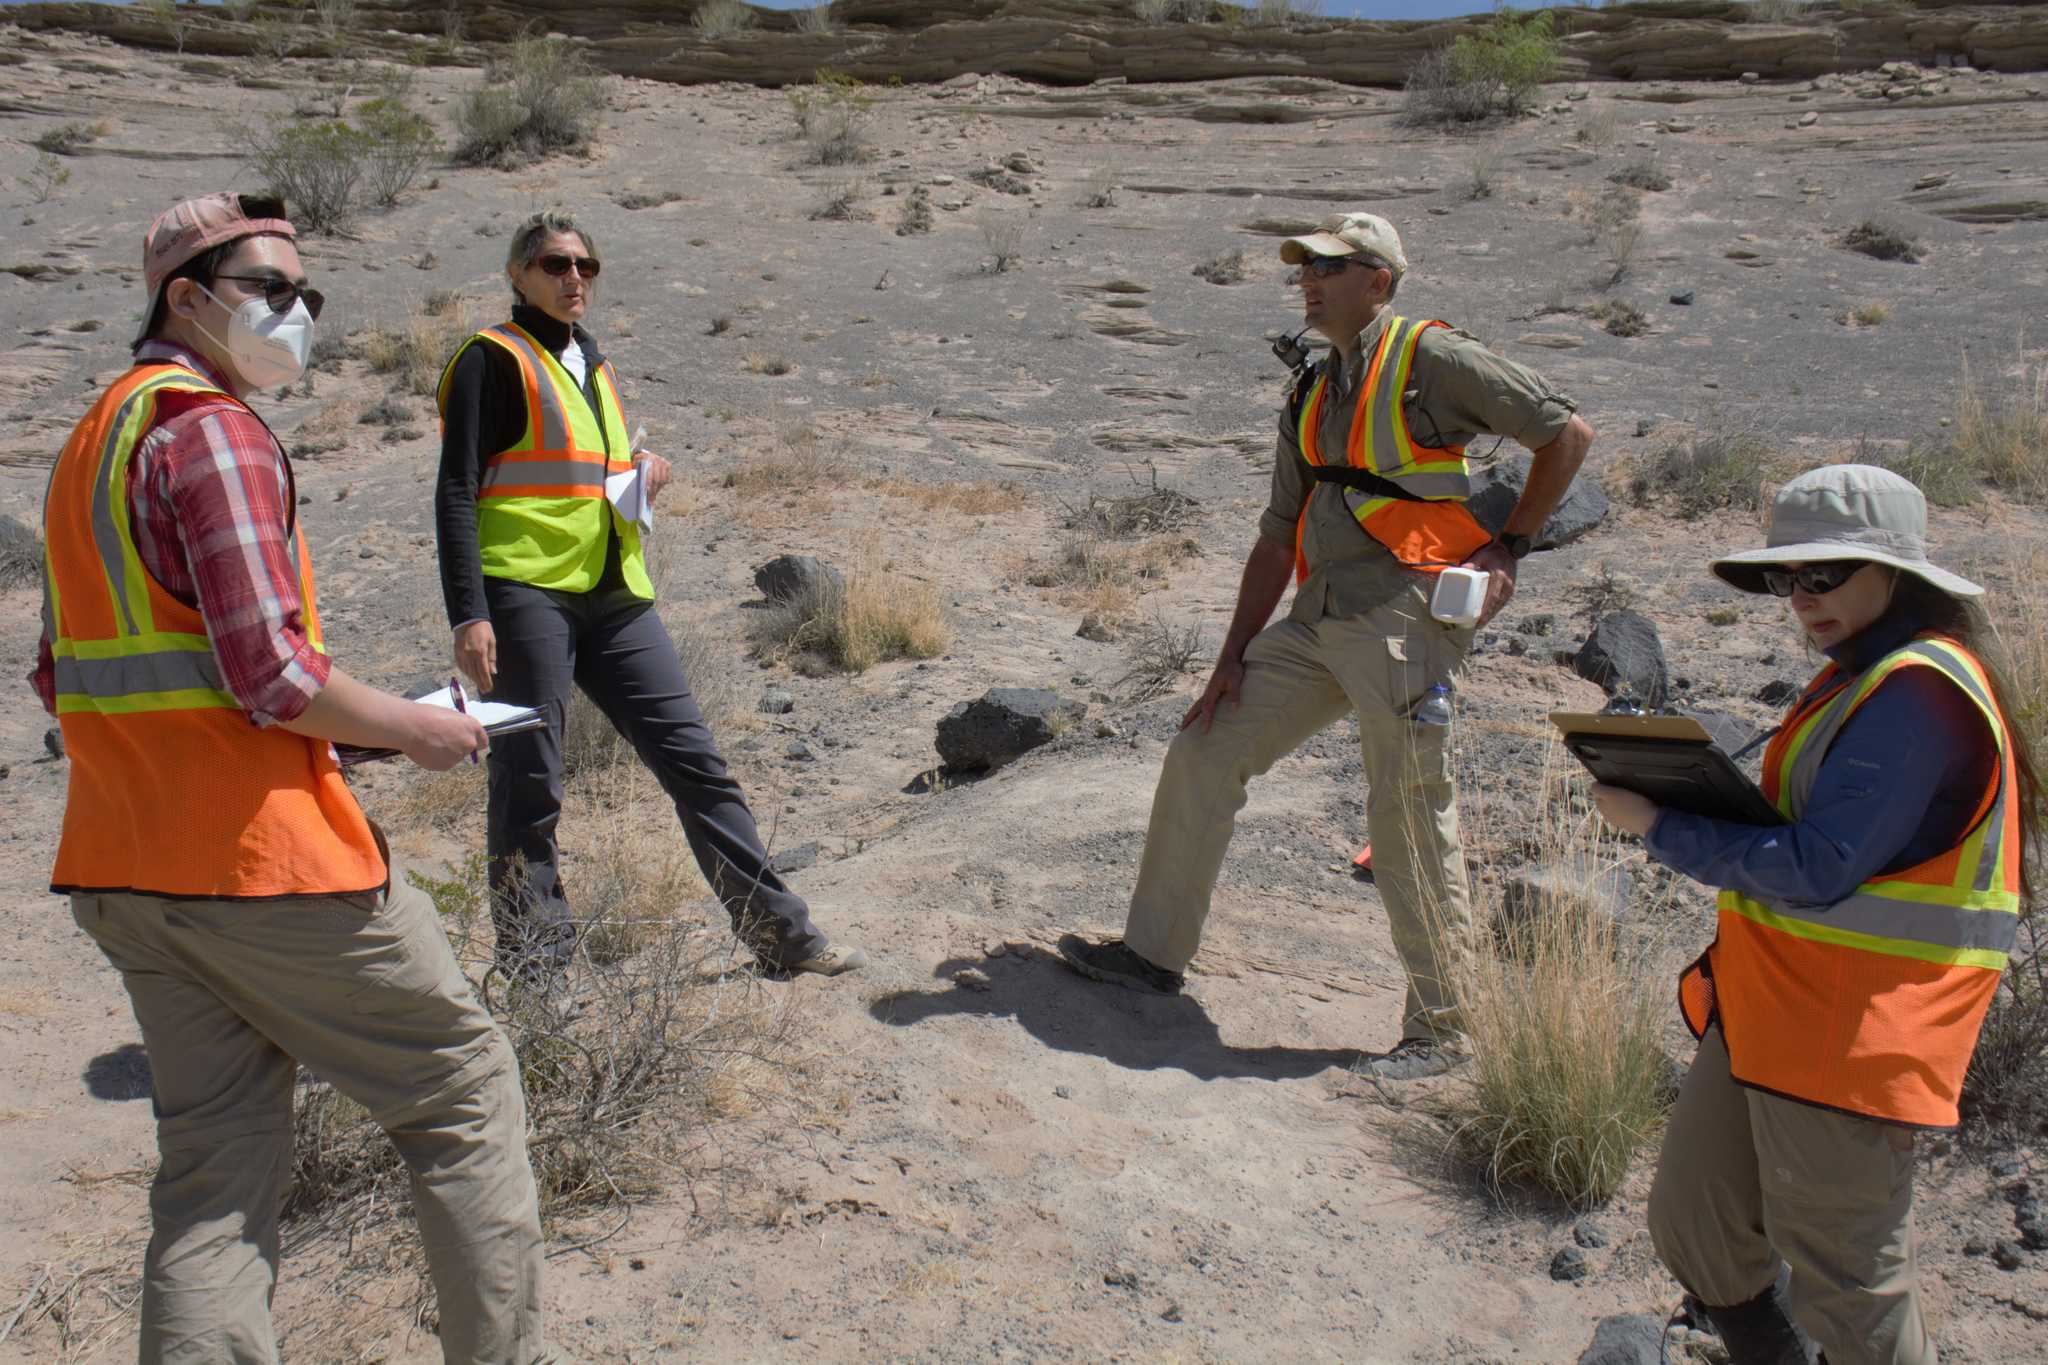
1669 759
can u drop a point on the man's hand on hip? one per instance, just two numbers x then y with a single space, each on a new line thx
1224 686
1493 560
476 654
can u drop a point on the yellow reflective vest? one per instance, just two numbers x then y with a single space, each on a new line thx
541 510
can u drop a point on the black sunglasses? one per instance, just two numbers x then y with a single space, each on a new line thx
280 293
1818 579
1322 267
558 265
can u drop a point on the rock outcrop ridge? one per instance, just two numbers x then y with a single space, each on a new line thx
1077 42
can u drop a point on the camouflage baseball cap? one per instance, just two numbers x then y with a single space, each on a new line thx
1350 234
186 229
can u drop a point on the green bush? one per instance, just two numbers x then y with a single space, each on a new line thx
723 18
1713 468
398 144
314 167
541 96
1496 70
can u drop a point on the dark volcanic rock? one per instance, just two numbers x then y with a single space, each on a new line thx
1632 1339
792 576
1570 1264
1623 654
1002 724
1496 487
1778 692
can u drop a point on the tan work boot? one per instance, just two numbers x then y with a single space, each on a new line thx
834 961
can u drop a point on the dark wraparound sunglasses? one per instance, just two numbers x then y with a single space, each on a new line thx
280 293
558 265
1818 579
1322 267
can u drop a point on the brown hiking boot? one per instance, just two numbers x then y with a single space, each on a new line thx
1115 963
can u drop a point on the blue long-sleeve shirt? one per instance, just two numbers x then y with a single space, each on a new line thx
1897 787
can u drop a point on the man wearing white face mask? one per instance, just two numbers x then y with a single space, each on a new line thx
210 847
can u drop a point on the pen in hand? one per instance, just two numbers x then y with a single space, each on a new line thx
455 691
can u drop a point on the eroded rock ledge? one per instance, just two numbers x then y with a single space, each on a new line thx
1075 42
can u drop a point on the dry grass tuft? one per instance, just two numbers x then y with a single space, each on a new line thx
416 352
21 554
2003 435
634 1075
1718 466
1152 510
1882 242
967 499
879 615
1565 1017
1159 656
441 802
799 461
1228 268
763 362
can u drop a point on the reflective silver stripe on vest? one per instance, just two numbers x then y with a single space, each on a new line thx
105 534
544 473
554 423
1806 771
1940 926
126 675
1388 451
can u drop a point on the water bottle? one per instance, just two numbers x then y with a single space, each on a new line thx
1434 708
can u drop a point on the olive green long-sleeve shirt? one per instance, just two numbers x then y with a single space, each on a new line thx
1459 391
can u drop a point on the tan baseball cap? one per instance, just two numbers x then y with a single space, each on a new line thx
1350 234
186 229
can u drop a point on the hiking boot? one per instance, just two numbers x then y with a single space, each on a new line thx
1414 1059
1115 963
832 962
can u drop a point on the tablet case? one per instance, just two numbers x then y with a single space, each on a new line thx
1672 760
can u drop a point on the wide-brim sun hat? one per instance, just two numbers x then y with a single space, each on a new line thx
1845 512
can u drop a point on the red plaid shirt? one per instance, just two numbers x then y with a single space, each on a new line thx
209 504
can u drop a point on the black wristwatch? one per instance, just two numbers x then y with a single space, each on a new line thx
1518 546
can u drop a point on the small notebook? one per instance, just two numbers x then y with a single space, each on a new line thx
496 717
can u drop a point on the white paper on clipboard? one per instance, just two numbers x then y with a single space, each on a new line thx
627 492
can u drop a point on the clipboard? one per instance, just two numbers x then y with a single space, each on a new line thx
1672 760
497 718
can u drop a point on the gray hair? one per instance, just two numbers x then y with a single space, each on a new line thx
527 237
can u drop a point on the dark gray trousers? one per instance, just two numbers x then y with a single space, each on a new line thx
614 646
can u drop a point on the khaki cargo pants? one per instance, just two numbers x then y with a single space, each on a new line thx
365 991
1298 678
1747 1178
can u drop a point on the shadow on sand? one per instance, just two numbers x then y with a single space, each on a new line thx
1026 982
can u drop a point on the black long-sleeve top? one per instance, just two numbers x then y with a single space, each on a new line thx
484 413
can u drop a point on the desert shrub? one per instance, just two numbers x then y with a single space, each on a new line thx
335 17
832 116
1482 169
722 18
1602 591
1158 657
1882 242
2003 433
1002 237
1706 471
1621 318
1170 11
397 145
877 615
277 37
1100 192
46 177
1779 11
1498 69
816 19
1283 13
1565 1015
1148 511
174 19
315 168
416 352
1228 268
541 96
631 1073
21 554
914 219
1617 231
1598 127
67 139
1870 314
1642 173
843 200
766 362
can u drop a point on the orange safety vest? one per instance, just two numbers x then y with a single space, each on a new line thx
1872 1005
1432 535
173 792
542 517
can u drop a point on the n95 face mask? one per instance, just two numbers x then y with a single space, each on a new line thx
267 349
